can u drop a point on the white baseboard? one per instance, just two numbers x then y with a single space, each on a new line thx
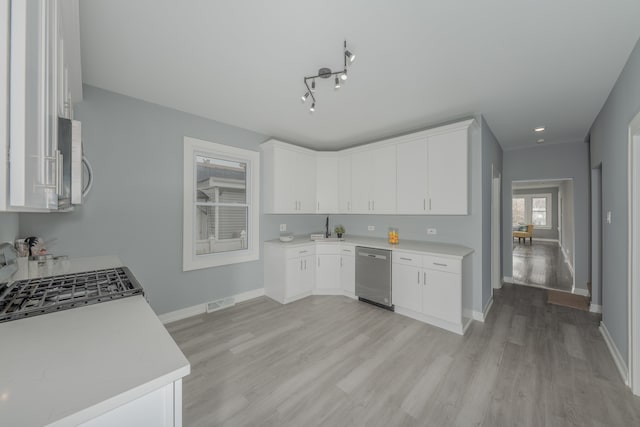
578 291
539 239
595 308
566 259
508 279
194 310
615 353
481 316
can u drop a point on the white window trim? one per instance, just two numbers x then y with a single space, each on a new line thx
528 208
191 261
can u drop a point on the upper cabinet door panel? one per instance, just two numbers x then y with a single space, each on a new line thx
448 173
284 180
361 182
383 177
344 184
327 184
412 177
305 181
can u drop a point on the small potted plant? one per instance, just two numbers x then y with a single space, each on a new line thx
339 231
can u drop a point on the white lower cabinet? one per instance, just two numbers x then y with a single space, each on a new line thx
327 269
429 288
348 270
289 273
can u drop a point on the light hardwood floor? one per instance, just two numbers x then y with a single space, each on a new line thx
333 361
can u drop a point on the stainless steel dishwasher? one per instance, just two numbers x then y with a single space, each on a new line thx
373 276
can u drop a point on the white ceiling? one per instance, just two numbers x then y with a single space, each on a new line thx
520 64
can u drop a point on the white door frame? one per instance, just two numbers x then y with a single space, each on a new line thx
496 197
633 188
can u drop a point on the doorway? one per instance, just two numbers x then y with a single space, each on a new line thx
634 254
543 234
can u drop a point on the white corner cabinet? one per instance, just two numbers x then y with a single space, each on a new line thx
433 289
423 173
41 79
292 273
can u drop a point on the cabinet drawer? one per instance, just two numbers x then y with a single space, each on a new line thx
407 258
348 250
442 264
301 251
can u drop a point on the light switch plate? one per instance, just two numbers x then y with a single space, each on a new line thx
432 231
371 228
609 217
283 227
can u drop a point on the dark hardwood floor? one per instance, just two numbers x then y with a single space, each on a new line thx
333 361
541 264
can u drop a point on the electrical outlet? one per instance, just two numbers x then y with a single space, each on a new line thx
371 228
432 231
283 227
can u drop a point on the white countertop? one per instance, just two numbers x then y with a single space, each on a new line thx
68 367
440 249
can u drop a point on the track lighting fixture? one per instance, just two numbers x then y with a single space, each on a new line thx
325 73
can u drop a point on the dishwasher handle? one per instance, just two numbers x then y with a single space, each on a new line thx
365 254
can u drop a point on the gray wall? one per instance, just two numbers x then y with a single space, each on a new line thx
539 232
9 226
135 207
554 161
609 148
466 230
491 155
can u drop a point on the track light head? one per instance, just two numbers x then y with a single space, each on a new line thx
313 85
343 76
350 56
313 107
304 97
337 83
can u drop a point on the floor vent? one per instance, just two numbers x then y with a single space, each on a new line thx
220 304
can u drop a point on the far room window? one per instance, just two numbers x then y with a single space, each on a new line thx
531 209
519 216
221 203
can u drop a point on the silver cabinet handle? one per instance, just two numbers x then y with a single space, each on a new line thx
300 264
429 203
424 281
346 250
440 264
424 204
406 259
302 252
418 277
318 261
295 205
373 205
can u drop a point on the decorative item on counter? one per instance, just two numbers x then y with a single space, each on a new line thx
393 236
339 231
286 237
35 246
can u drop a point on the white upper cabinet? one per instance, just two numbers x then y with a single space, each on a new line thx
344 183
40 66
412 177
448 171
289 179
327 183
373 180
425 173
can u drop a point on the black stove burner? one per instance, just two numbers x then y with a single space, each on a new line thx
33 297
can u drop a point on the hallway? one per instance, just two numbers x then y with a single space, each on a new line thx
542 265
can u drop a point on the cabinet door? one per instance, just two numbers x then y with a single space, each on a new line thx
327 271
406 287
344 184
383 176
448 173
293 284
283 171
305 182
442 295
308 273
33 165
361 181
348 273
412 177
327 184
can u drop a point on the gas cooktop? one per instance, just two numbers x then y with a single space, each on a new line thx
33 297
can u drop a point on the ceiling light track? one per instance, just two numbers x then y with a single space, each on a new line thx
326 73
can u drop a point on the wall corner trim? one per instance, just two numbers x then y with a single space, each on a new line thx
194 310
615 353
595 308
481 316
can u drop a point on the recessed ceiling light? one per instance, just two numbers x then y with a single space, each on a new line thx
540 141
539 129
